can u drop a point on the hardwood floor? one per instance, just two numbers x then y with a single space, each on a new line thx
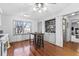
23 48
72 45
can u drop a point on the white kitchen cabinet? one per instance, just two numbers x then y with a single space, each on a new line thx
50 37
74 39
19 38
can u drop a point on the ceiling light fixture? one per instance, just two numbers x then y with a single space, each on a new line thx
73 14
39 7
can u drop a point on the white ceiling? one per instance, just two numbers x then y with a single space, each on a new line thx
27 8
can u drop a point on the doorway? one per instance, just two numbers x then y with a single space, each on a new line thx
71 32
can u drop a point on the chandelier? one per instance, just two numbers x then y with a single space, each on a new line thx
39 7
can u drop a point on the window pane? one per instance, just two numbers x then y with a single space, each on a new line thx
22 27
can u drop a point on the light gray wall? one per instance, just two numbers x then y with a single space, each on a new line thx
59 31
39 26
0 20
68 28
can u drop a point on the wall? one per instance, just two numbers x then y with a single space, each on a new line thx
0 20
59 31
39 27
1 11
7 26
68 29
